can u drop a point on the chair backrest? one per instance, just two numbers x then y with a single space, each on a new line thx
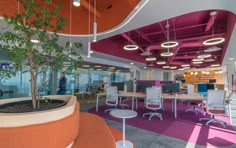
216 100
153 96
111 95
190 89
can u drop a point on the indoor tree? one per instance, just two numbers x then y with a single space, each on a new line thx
31 46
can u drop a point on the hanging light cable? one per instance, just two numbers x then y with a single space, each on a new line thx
168 43
95 23
89 43
168 53
213 40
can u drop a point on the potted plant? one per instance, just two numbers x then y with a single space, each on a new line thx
33 43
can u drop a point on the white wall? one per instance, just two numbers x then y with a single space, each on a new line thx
157 75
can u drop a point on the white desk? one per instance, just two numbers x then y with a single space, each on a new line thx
174 98
124 114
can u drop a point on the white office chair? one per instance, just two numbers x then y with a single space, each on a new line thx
153 102
190 90
111 97
215 106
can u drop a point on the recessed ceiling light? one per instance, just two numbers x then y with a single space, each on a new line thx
209 60
231 59
130 47
173 67
167 54
212 49
151 59
196 60
185 65
214 41
76 3
97 66
161 62
34 41
165 66
215 65
169 44
146 53
204 56
132 63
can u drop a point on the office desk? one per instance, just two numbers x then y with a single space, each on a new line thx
174 98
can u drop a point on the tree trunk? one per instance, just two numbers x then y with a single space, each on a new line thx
33 82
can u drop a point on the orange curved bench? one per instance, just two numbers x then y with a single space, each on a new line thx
94 133
56 134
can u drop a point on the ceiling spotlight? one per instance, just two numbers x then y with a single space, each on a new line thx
212 49
209 60
204 56
76 3
167 54
34 41
196 60
215 65
231 59
161 62
169 44
91 51
151 59
165 66
146 53
132 63
130 47
214 41
185 65
173 67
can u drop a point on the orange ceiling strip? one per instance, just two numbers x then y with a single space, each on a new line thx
107 18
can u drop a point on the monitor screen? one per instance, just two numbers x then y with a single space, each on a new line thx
210 87
170 88
212 81
120 85
141 86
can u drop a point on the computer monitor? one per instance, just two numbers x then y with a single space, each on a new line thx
210 86
212 81
120 85
141 86
170 88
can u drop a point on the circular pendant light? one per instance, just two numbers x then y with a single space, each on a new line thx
181 69
209 60
185 65
186 68
151 59
212 49
214 41
169 44
76 3
203 56
196 60
130 47
161 62
215 65
146 53
173 67
165 66
167 54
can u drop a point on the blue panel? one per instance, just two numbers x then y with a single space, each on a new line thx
202 88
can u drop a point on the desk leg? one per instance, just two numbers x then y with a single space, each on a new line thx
173 100
230 118
136 103
175 107
123 132
132 103
97 103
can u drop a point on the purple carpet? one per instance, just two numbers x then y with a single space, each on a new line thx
186 127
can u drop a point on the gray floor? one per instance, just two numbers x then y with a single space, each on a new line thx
146 139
